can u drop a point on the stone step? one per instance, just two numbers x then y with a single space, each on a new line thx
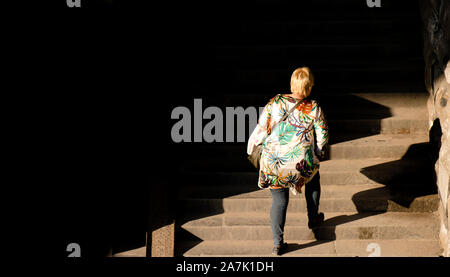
224 172
337 106
256 226
376 146
381 85
235 57
348 126
280 28
365 201
140 252
251 191
332 219
338 87
396 172
312 248
249 77
307 10
299 52
368 147
391 125
277 35
318 30
331 5
280 66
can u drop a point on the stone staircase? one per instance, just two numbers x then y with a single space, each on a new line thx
377 183
377 188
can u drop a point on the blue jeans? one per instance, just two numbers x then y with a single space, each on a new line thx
280 201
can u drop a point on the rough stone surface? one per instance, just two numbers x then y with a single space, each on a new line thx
435 16
442 112
312 248
339 226
161 234
381 203
163 241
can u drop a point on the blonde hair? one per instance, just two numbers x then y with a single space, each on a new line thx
302 81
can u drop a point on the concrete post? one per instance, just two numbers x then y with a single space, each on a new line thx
163 241
161 235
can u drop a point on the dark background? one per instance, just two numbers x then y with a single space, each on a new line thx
106 77
109 72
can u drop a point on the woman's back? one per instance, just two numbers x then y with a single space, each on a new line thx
289 153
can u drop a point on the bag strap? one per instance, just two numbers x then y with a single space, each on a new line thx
284 117
288 113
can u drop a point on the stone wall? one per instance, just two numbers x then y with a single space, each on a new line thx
436 34
443 164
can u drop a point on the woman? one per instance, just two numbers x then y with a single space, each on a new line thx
291 151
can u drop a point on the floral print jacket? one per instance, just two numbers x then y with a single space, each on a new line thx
290 152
